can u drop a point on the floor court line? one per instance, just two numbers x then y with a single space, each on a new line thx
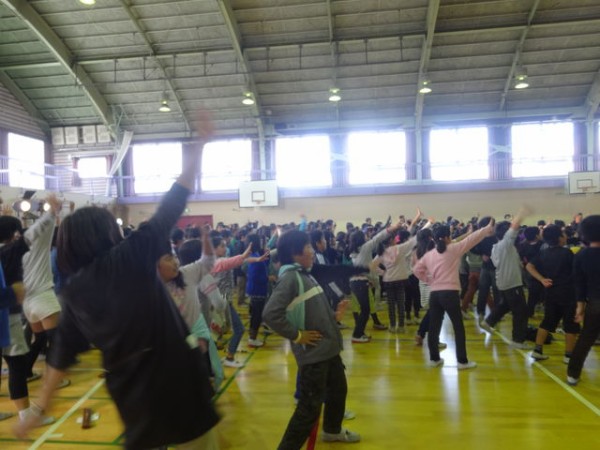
553 377
50 431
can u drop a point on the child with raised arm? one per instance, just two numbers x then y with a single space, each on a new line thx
586 271
299 311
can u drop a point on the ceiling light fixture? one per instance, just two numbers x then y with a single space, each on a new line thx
335 95
425 87
248 98
521 78
164 106
87 2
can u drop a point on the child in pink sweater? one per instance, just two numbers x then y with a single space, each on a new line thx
439 269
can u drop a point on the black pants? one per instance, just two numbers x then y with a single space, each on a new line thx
360 288
589 334
18 366
257 304
487 281
512 300
318 381
442 302
413 296
395 298
535 291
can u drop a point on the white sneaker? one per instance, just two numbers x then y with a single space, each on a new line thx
486 327
255 343
467 365
439 362
566 359
571 381
349 415
361 340
232 363
520 345
539 356
343 436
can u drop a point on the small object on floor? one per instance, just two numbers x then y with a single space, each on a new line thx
86 421
467 365
5 415
349 415
343 436
572 381
439 362
64 383
94 416
35 376
379 326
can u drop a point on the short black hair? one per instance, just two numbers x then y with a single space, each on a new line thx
84 235
589 229
190 251
531 233
315 237
177 234
290 244
502 228
552 234
9 225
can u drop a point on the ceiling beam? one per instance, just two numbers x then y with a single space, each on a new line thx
34 113
592 100
50 39
432 13
152 54
517 55
236 40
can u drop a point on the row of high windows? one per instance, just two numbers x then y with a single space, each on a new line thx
370 158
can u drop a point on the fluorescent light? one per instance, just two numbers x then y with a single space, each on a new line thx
164 106
248 98
425 88
87 2
335 94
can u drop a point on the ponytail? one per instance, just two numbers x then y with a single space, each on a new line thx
440 235
440 245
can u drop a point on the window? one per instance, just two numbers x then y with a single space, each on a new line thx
156 166
303 161
225 164
542 149
376 158
92 167
459 154
26 162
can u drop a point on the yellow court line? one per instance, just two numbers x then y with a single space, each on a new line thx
50 431
556 379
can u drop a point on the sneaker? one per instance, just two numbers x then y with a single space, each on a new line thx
267 331
409 321
439 362
419 340
343 436
379 326
572 381
566 359
341 326
63 384
232 363
361 340
349 415
486 327
538 356
255 343
35 376
442 345
465 315
5 415
467 365
520 345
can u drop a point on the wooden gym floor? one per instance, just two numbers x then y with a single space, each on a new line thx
507 402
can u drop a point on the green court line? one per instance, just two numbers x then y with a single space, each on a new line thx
119 438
